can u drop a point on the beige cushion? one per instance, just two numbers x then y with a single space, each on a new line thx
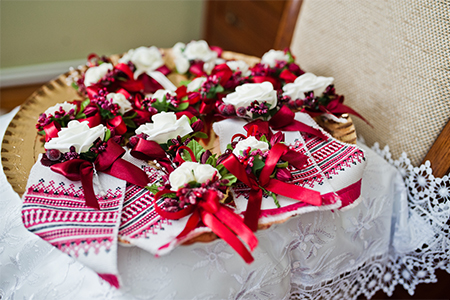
391 61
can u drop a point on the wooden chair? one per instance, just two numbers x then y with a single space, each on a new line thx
390 60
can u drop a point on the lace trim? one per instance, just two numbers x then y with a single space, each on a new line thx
428 203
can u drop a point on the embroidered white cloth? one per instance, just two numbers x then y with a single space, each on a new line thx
318 254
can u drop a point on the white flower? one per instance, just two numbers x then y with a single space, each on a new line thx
145 59
251 142
195 84
119 99
165 126
247 93
199 50
77 134
94 74
306 83
65 106
195 50
191 171
239 65
273 56
160 94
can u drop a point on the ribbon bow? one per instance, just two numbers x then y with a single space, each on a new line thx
108 162
151 150
221 219
252 213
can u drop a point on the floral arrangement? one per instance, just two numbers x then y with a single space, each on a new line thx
133 103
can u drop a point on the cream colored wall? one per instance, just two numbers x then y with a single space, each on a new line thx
35 32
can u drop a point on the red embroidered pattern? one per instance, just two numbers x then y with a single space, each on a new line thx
58 214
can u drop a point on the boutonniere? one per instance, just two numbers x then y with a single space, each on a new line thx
80 152
263 166
277 67
316 96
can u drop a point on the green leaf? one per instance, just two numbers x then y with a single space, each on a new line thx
130 123
107 135
80 116
153 188
232 179
264 139
84 104
75 86
193 120
196 148
230 147
258 164
212 160
42 132
161 106
283 165
185 82
199 134
182 106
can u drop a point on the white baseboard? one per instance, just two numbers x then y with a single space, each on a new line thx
33 74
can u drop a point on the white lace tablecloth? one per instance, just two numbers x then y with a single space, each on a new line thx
399 234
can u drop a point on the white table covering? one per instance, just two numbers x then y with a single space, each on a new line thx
386 240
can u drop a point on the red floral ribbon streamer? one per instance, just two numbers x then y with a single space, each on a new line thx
108 162
273 185
221 219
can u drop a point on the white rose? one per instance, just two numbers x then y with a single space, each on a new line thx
165 126
94 74
306 83
251 142
65 106
146 60
160 94
119 99
180 176
273 56
247 93
195 84
239 65
182 64
191 171
199 50
76 134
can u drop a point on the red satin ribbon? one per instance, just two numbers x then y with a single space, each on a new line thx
151 150
118 125
108 162
260 79
93 121
221 219
287 76
51 130
130 84
253 211
337 107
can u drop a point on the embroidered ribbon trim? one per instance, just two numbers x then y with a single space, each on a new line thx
253 211
218 217
108 162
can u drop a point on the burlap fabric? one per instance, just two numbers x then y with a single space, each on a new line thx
391 61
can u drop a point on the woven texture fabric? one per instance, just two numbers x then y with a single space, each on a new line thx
391 61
